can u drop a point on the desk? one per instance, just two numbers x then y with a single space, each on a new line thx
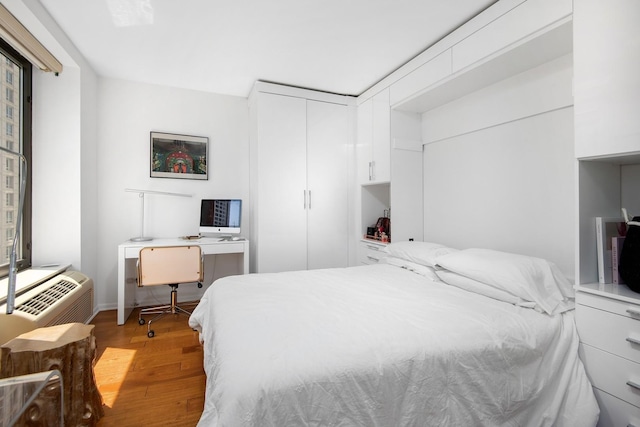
131 250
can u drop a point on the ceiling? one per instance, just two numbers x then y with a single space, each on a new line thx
340 46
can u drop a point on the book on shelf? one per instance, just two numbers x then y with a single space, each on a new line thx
616 250
606 230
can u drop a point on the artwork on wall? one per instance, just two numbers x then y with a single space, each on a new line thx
179 156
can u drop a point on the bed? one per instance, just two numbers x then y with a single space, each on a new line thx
430 336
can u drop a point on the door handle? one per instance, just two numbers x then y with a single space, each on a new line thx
634 312
633 340
633 384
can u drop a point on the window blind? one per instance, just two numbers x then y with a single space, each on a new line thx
14 33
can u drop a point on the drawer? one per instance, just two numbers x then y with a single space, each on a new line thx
620 307
614 333
612 374
615 412
371 252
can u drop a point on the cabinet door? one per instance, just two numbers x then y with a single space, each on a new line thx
364 148
327 181
374 139
381 137
281 213
606 84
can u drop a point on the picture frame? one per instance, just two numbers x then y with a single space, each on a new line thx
179 156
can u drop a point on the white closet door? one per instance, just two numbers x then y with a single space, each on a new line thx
281 184
327 145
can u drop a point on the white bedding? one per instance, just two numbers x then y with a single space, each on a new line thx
382 346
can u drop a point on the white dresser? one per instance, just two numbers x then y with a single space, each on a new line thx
371 251
608 321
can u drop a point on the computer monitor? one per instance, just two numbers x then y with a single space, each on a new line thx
220 216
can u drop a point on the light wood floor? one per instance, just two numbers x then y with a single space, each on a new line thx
145 381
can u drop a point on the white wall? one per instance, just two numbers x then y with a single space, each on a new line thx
127 113
500 172
64 146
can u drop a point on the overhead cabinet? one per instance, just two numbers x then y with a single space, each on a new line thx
510 28
607 87
374 139
525 35
299 176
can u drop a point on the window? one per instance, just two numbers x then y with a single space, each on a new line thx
16 138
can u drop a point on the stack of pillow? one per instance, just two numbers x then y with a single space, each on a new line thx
517 279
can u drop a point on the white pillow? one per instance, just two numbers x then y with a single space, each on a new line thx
424 253
471 285
423 270
529 278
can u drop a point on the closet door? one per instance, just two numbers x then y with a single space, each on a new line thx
281 210
327 222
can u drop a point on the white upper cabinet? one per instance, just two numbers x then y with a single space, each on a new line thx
607 77
374 139
507 39
421 78
520 22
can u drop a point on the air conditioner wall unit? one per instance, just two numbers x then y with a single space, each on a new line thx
65 298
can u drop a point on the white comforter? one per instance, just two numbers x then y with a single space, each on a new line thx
381 346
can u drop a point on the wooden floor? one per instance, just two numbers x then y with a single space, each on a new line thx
145 381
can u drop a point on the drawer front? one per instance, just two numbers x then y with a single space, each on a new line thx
615 412
372 253
609 304
612 374
613 333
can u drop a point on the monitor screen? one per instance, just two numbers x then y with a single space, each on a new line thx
220 216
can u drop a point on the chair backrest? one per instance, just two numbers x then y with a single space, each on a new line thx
167 265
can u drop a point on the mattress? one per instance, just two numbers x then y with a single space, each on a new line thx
379 345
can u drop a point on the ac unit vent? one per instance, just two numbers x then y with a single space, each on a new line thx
48 297
80 311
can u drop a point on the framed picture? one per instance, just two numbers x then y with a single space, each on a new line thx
179 156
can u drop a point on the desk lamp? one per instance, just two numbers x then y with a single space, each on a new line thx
141 193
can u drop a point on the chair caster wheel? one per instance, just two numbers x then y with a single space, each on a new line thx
141 322
150 334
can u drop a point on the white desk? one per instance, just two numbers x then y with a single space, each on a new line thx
131 250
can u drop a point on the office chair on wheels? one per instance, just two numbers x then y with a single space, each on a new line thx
168 265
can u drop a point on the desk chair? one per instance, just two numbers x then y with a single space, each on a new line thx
168 265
